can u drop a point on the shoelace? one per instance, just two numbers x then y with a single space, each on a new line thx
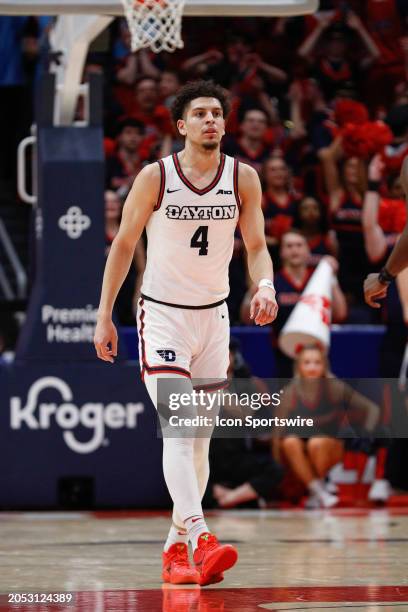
180 557
210 542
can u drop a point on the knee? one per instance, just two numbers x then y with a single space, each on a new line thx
291 445
317 445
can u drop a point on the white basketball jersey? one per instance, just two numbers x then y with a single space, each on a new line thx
190 236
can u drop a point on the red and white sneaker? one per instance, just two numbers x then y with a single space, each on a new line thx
212 558
176 566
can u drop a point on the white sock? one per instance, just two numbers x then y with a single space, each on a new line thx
195 526
327 499
178 457
316 486
176 536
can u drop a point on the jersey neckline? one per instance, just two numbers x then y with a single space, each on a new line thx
190 185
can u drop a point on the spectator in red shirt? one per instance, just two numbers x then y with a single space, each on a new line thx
155 117
123 165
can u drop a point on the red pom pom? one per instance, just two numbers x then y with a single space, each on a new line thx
349 111
366 139
392 215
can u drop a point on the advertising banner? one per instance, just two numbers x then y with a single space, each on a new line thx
67 423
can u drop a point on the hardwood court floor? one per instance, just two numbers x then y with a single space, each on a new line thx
354 560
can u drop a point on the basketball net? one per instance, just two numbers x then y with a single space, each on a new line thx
155 24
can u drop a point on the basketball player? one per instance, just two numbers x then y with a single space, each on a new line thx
190 204
376 285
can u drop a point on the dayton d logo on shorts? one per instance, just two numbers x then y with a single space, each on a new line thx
167 354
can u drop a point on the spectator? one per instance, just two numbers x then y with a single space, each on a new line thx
129 66
155 117
386 28
346 187
238 65
279 201
311 458
124 164
240 474
250 147
335 68
316 394
126 302
311 219
311 129
198 66
169 84
290 282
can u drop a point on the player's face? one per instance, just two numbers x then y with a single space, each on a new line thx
203 123
311 364
294 250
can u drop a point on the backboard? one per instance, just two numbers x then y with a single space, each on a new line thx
193 7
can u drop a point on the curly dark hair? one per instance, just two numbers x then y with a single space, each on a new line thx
198 89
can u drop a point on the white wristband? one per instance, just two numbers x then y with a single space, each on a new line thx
266 282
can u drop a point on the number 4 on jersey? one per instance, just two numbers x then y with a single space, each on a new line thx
199 240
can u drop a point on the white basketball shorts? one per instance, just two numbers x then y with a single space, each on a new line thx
193 343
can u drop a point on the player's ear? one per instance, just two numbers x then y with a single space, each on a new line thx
181 126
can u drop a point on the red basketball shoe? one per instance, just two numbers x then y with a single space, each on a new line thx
176 566
212 558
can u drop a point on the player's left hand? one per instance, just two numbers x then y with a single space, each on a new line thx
374 290
263 309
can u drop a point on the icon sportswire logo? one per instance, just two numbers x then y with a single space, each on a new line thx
74 222
92 416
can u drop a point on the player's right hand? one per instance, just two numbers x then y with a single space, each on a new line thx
106 340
